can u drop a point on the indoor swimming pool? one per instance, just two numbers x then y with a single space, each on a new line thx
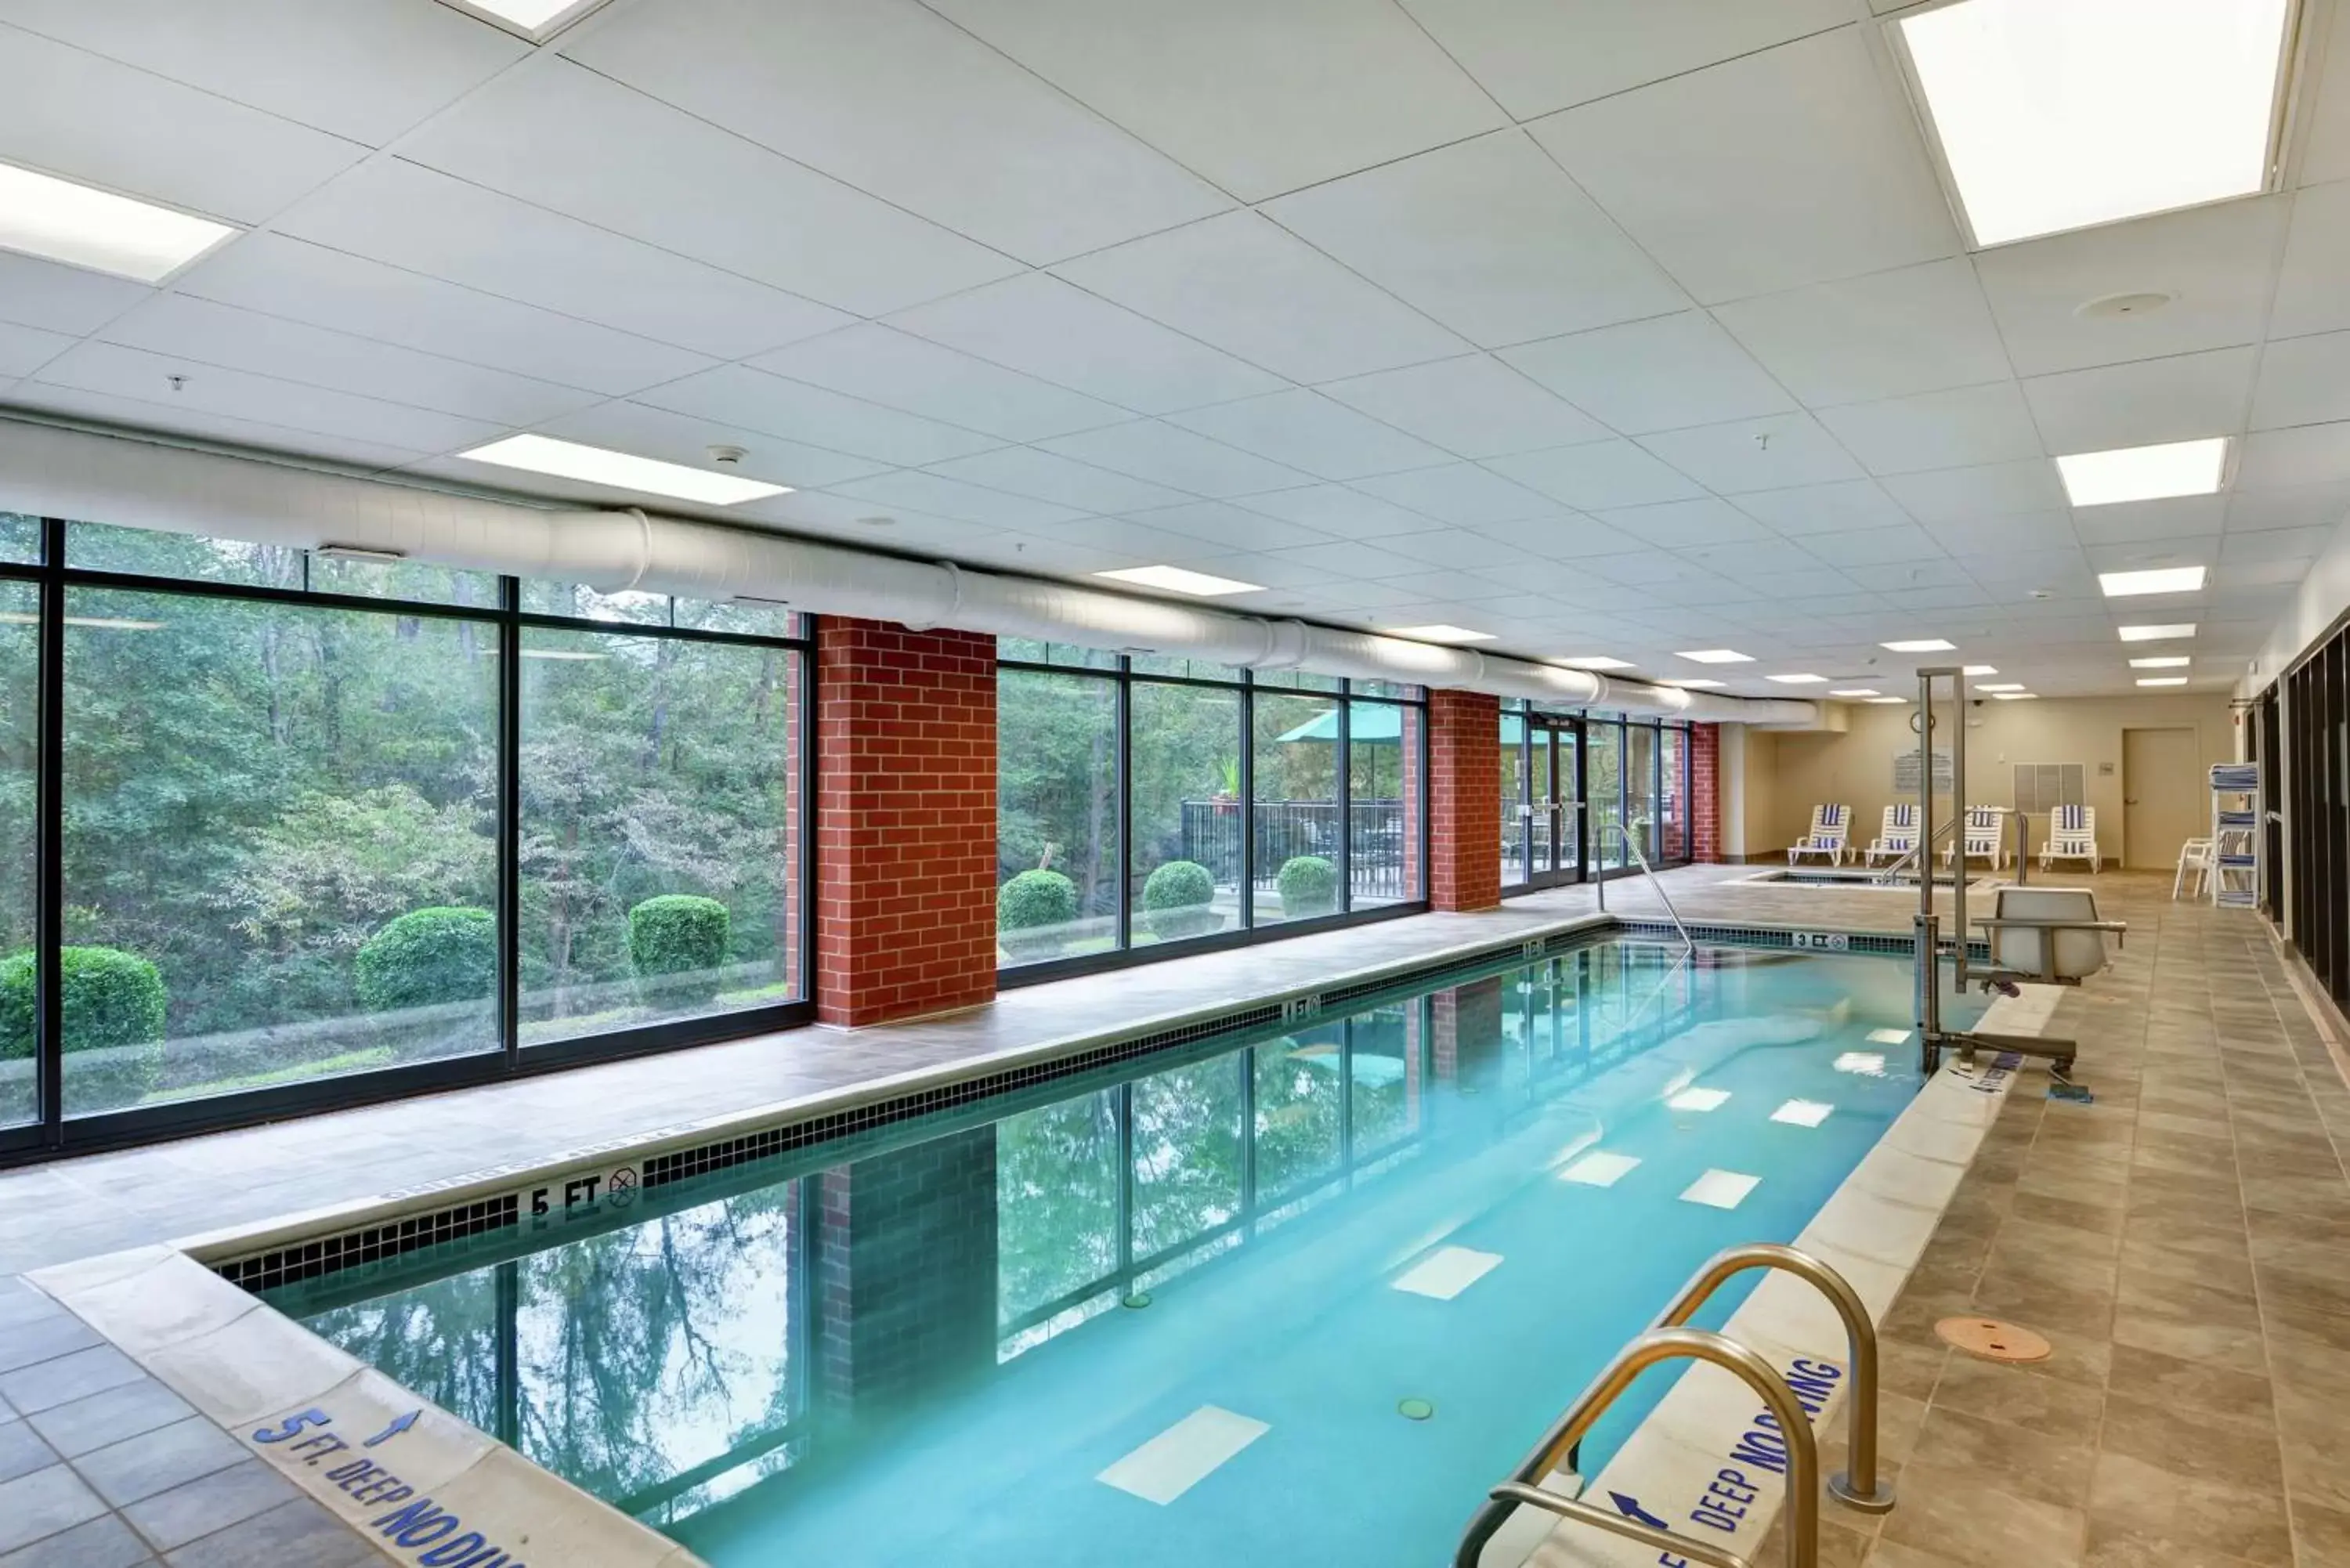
1296 1296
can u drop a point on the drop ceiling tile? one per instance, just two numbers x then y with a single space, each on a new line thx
1833 508
35 293
888 97
24 349
1562 537
1287 577
738 395
1458 550
1244 93
203 332
1660 374
1488 236
1790 166
1597 474
303 282
1646 568
844 517
2013 534
2327 153
179 417
1675 525
1158 452
1874 546
1065 555
1352 560
1900 576
1752 560
1755 454
2216 261
1243 284
1536 56
2232 578
367 73
1460 492
2273 545
1775 583
685 439
1888 335
1937 430
132 373
1043 476
1475 405
1940 595
2310 506
2064 571
2314 285
1564 584
1309 431
900 371
2153 553
2303 381
73 113
1357 595
1140 544
1057 332
1230 527
1988 489
1338 510
1706 589
564 138
2182 397
2137 520
417 218
951 498
2289 458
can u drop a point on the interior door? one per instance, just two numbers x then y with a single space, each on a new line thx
2165 798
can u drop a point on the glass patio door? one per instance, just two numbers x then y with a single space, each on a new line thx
1554 777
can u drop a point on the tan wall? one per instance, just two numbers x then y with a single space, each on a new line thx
1856 767
1748 768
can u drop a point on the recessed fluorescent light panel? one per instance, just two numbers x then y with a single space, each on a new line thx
2168 661
1853 691
1921 645
1879 701
2162 680
1699 684
2059 114
2166 633
622 471
1717 656
1178 580
2145 473
1999 686
1798 679
2162 580
533 19
2016 696
1440 632
1595 661
58 219
1978 669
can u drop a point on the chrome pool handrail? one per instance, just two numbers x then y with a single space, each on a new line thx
1655 1346
1632 853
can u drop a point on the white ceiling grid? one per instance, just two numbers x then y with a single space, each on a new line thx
1603 325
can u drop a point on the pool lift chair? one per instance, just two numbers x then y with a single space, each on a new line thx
2040 936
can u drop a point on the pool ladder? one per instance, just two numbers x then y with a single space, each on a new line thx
1632 853
1669 1339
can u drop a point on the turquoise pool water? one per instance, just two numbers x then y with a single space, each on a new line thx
1173 1315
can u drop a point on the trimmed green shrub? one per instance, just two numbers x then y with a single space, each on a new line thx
1030 908
427 957
1175 901
1309 886
680 934
113 1000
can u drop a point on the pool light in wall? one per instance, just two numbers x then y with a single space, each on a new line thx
1181 580
2163 104
2145 473
64 221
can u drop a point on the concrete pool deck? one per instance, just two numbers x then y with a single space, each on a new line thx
2149 1058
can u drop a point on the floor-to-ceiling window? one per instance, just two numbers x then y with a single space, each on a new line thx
2314 735
1155 802
281 830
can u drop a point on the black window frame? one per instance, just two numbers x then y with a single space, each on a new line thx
1673 851
52 1134
1342 695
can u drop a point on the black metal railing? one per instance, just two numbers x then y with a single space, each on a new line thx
1378 840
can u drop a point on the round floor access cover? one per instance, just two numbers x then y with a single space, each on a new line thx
1993 1340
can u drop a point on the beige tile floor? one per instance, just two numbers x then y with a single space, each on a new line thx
2184 1242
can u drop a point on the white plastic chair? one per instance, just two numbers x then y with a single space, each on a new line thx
1898 834
2195 858
1831 827
2072 836
1980 838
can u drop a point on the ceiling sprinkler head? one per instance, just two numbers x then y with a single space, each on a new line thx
2043 594
728 456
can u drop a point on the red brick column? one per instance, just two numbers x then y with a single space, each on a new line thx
1464 800
1705 794
905 821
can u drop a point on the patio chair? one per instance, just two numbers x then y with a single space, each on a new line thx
2072 836
2197 857
1831 827
1897 835
1980 838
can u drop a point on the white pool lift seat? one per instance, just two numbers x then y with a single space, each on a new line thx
2050 936
1980 838
2072 836
1831 829
1898 835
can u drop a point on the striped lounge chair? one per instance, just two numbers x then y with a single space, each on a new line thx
2072 836
1897 835
1831 827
